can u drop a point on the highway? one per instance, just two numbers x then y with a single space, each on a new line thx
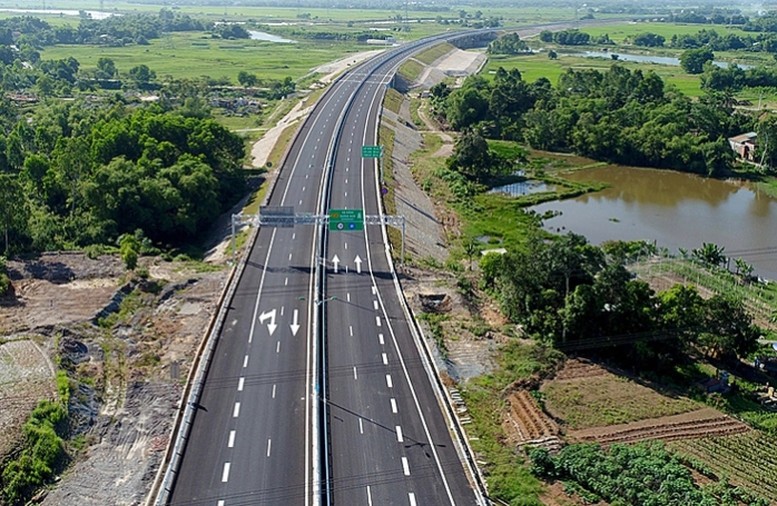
383 438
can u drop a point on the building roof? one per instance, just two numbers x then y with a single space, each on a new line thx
749 136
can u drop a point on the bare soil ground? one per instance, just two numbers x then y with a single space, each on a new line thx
128 376
26 377
703 422
526 423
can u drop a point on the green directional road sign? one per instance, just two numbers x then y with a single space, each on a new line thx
372 151
346 219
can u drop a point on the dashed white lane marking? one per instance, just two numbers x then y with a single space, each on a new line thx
231 443
375 304
411 497
394 406
240 382
345 245
389 382
293 236
245 361
346 169
236 410
355 376
346 179
234 322
273 391
377 321
286 282
269 448
399 434
303 188
380 339
300 201
289 257
307 176
369 496
385 359
348 297
374 290
361 426
282 309
225 472
278 347
350 330
405 466
220 503
346 194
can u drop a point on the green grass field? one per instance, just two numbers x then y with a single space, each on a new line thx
620 31
192 55
539 65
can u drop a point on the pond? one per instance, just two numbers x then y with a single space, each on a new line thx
268 37
521 188
676 210
643 58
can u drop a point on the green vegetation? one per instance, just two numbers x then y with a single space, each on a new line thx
746 459
509 478
393 100
92 174
5 281
43 453
411 70
433 54
644 473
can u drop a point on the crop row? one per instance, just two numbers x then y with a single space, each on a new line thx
748 460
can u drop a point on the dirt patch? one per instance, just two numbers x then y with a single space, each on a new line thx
526 424
595 397
700 423
26 377
128 374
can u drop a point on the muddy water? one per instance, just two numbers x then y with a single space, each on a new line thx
674 209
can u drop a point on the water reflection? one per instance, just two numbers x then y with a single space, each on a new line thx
676 210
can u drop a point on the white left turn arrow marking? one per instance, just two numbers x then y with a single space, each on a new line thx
271 316
295 324
358 262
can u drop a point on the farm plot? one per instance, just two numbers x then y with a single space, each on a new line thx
748 460
705 422
527 424
590 396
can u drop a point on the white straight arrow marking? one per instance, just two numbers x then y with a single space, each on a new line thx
295 324
336 261
358 262
271 316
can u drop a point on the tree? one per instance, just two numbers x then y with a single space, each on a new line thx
552 54
106 68
693 60
649 40
141 74
710 254
129 248
471 155
13 209
728 328
247 79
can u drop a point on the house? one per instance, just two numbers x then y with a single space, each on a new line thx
744 145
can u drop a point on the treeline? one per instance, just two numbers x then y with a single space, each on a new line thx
75 174
581 297
619 115
734 78
728 42
574 37
111 31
